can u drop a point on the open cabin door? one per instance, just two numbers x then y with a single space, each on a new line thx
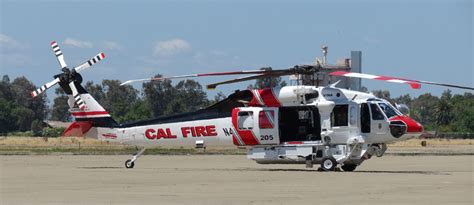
299 123
255 126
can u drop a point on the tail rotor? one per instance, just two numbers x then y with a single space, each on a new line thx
68 77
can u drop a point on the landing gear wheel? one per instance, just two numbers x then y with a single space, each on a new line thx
328 164
349 167
129 164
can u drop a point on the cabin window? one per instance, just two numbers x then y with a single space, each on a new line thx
266 119
339 116
311 96
376 112
364 118
245 120
388 110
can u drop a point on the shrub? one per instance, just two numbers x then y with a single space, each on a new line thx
53 132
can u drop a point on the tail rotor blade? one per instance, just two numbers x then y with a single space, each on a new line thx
44 87
59 54
77 97
90 62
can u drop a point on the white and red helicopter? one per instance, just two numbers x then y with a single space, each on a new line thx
298 124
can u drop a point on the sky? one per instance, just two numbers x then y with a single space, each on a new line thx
415 39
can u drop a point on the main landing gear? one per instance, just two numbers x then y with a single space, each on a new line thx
131 162
330 164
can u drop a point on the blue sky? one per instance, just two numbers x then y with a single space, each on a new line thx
426 40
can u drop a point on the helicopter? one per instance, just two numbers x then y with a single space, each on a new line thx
296 124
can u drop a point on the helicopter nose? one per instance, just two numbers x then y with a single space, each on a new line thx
412 125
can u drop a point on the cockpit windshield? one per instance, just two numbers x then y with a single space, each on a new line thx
388 110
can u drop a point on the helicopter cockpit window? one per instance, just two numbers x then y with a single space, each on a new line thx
339 116
245 120
388 110
376 112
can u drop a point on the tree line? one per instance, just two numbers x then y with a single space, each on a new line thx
20 112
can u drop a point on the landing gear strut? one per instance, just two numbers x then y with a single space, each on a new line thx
131 162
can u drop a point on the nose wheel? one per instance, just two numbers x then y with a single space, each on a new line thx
131 162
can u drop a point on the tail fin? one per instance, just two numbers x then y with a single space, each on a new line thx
92 115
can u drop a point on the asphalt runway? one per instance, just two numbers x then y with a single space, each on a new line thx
232 180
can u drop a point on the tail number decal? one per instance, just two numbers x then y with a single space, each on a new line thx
266 137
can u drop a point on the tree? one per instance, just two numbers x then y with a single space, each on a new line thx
443 111
188 96
139 111
423 108
7 105
191 95
60 110
463 113
403 99
18 108
158 94
268 82
217 98
7 118
385 94
22 88
96 90
118 99
165 99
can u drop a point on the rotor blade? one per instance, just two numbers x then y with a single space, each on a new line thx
203 75
59 54
77 97
246 78
415 84
44 87
90 62
447 85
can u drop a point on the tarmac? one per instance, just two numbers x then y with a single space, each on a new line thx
231 179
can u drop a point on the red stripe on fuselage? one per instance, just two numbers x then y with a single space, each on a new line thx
247 136
269 98
90 113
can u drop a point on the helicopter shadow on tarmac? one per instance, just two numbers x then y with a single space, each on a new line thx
362 171
285 170
100 167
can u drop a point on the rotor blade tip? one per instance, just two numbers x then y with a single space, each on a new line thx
33 94
102 54
53 42
415 85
